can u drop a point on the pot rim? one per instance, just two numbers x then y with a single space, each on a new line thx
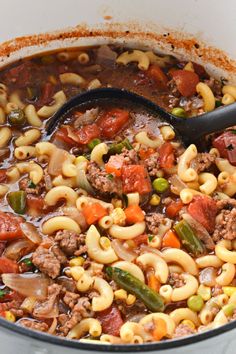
146 347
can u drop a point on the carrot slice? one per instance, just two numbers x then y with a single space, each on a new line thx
93 213
153 282
134 214
170 239
160 329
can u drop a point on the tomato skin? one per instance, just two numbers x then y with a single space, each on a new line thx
3 176
9 227
111 122
135 179
157 75
111 320
8 266
185 81
166 156
204 210
228 138
82 136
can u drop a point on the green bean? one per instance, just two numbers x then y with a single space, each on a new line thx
17 201
93 143
117 148
179 112
128 282
16 117
188 237
160 184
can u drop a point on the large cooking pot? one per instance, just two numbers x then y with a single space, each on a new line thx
201 30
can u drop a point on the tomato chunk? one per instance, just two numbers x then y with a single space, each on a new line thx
8 266
166 156
36 204
114 165
10 296
93 213
9 226
80 136
134 214
186 82
157 75
47 93
173 208
226 144
204 210
3 176
111 320
112 122
138 240
135 179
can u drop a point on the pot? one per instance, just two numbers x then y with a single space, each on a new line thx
193 29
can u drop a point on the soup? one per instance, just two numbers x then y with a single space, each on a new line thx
111 229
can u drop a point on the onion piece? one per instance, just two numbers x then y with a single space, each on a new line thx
35 285
76 215
106 56
122 252
57 159
147 249
208 276
18 249
88 117
200 231
53 326
82 178
31 232
176 184
43 311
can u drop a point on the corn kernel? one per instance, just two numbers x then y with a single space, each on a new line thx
80 159
77 261
118 216
229 290
130 299
117 203
189 66
120 294
155 200
10 316
204 291
105 243
76 272
188 323
229 309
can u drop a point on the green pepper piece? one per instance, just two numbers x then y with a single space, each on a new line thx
179 112
128 282
16 117
17 201
93 143
3 292
117 148
188 237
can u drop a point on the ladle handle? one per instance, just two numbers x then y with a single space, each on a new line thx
211 122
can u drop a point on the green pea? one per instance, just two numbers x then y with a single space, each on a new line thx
93 143
179 112
28 262
195 303
16 117
229 309
160 184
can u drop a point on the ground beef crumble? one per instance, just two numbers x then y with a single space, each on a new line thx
69 241
153 222
130 157
176 280
225 220
152 164
35 325
183 330
202 162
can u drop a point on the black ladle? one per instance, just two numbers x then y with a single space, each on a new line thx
189 130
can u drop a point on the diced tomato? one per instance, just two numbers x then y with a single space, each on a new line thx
93 213
226 144
173 208
145 153
112 122
166 155
10 227
114 165
135 179
8 266
36 204
10 296
138 240
170 239
134 214
157 75
200 71
186 82
20 74
80 136
111 320
47 93
3 176
203 209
